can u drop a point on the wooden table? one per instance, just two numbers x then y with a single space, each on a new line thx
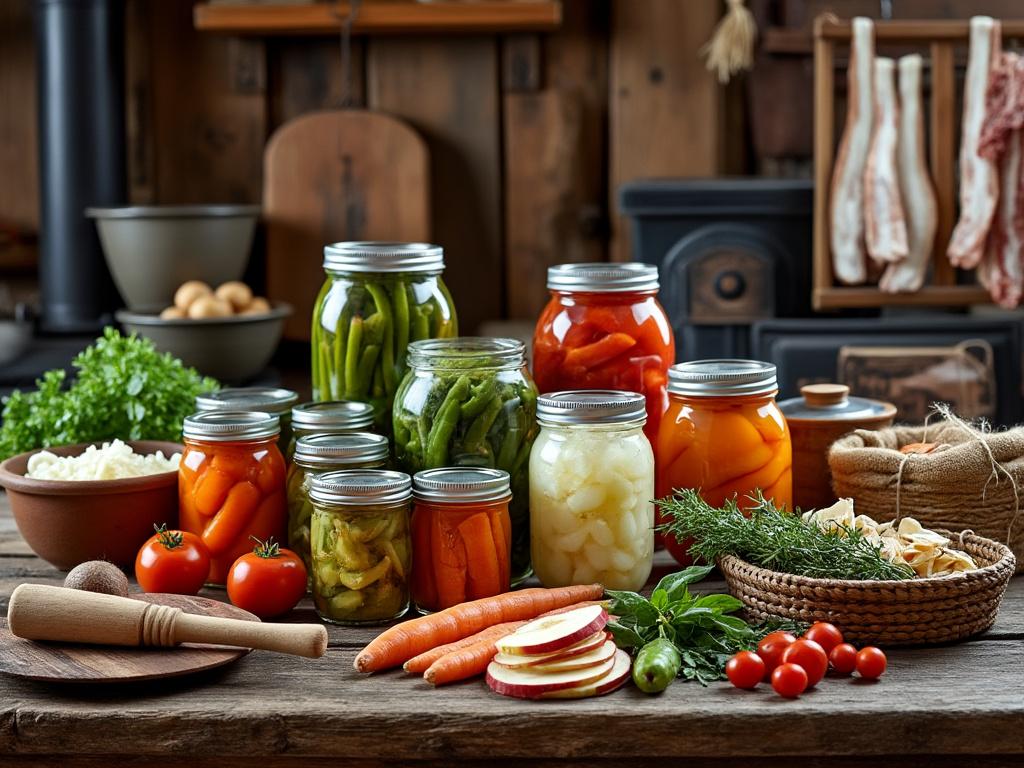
961 705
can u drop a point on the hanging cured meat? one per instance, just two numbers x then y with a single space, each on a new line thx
885 229
846 217
979 187
919 205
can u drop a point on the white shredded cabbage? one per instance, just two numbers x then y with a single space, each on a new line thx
114 461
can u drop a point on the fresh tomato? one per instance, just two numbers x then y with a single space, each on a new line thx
843 658
789 680
745 670
809 655
268 581
771 648
172 561
824 634
871 662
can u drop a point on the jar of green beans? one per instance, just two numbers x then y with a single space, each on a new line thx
377 298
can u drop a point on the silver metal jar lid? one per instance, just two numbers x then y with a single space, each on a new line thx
266 399
470 352
722 378
358 487
333 416
460 484
314 451
231 426
376 256
603 277
591 406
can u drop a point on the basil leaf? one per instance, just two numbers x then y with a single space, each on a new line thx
632 605
719 603
675 584
625 637
659 599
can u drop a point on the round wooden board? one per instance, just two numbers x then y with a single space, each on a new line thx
65 663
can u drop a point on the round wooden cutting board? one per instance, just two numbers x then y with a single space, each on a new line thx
65 663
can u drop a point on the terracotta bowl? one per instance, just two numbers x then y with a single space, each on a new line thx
67 522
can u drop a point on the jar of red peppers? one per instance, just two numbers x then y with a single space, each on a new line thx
461 536
231 484
724 435
603 328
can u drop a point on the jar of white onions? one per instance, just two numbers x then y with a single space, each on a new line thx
591 490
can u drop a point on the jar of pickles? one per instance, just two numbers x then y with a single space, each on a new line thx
377 298
316 454
273 400
361 547
470 402
603 328
461 534
231 484
334 417
591 490
724 435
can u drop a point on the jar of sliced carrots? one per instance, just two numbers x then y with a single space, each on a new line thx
231 484
462 536
361 547
603 328
724 435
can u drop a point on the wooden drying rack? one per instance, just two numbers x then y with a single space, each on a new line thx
939 38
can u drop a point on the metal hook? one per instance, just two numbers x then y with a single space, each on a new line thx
345 25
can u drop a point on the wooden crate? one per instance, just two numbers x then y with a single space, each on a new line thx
938 39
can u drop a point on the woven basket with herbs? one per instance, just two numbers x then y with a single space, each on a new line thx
781 565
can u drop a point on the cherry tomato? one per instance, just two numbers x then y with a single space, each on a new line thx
824 634
268 581
871 662
745 670
172 561
789 680
771 648
809 655
843 658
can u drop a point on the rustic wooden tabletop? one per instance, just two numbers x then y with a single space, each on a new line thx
961 705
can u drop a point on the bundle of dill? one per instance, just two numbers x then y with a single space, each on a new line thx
774 539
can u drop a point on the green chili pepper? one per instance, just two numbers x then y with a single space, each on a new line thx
445 421
656 666
481 425
482 394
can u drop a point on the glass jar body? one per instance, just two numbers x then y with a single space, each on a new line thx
591 510
614 340
362 559
724 447
229 492
461 552
473 416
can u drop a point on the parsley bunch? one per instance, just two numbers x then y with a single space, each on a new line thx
123 388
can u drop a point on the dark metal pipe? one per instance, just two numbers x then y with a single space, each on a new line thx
80 57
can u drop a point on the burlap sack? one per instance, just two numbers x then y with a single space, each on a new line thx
973 481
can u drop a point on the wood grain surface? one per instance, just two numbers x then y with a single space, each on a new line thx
958 705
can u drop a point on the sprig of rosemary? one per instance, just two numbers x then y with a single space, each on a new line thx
774 539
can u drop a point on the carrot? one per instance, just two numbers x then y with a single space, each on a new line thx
502 542
400 643
601 351
423 587
238 509
483 574
449 564
210 490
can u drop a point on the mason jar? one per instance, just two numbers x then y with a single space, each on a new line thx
272 400
377 298
470 402
592 490
334 417
361 547
316 454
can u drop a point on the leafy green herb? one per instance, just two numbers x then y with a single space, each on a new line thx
701 627
124 388
774 539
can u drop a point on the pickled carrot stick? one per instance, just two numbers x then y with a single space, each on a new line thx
269 473
401 642
483 574
502 545
601 351
233 462
423 587
234 515
211 490
449 555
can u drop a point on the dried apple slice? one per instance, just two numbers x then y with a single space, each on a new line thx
554 633
528 684
611 681
585 645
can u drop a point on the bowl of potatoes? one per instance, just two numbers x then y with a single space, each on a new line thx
227 332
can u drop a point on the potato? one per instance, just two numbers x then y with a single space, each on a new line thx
173 313
258 306
209 306
235 293
189 292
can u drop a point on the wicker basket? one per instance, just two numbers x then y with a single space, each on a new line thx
911 612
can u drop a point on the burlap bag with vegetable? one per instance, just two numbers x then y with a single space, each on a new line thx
955 477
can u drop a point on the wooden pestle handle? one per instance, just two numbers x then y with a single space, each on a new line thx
41 612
